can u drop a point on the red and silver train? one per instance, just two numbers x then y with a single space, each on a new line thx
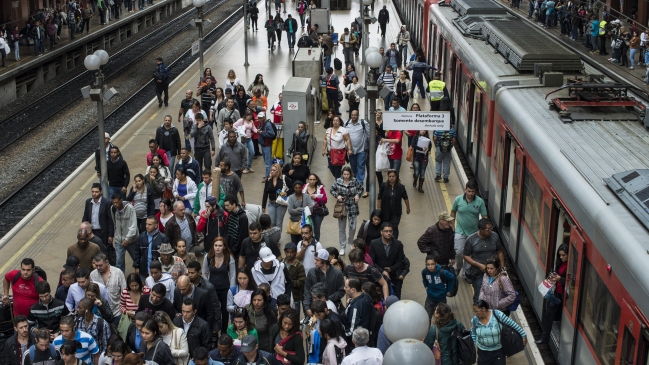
568 166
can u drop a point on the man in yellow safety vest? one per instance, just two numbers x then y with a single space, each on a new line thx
437 90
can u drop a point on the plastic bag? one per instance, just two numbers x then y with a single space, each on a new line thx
382 161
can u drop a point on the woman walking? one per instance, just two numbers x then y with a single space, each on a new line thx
315 189
444 323
634 46
297 170
391 193
152 347
277 187
184 189
174 337
497 290
263 317
555 303
336 138
486 327
296 204
141 197
242 290
219 269
287 338
396 152
420 160
249 125
300 141
347 190
402 89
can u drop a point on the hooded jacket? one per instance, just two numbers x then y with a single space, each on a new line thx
125 223
279 278
193 169
436 285
165 280
443 334
329 355
438 242
333 280
357 314
118 173
168 139
204 138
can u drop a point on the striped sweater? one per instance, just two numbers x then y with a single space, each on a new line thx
388 80
487 337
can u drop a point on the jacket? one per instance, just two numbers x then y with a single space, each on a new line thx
388 209
125 224
204 307
279 280
438 242
168 139
298 278
237 155
213 299
418 68
172 230
118 173
204 138
357 314
394 260
333 280
352 40
193 169
199 333
150 205
293 22
12 353
201 195
437 286
141 253
384 16
263 358
397 56
295 344
329 355
160 353
304 42
403 38
327 44
242 218
299 143
105 217
232 267
492 292
266 133
235 355
443 334
191 190
214 226
47 315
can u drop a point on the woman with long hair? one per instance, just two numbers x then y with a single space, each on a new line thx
444 323
335 259
263 317
184 188
277 186
420 160
396 151
102 308
411 134
347 190
154 181
130 296
296 170
207 73
165 213
296 204
241 326
258 84
299 143
287 338
315 189
361 245
174 337
239 294
330 333
116 351
248 124
141 197
219 98
486 328
370 229
402 89
390 194
219 268
231 81
554 304
336 137
497 289
132 359
152 347
241 98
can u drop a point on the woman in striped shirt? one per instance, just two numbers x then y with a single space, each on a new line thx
130 297
485 332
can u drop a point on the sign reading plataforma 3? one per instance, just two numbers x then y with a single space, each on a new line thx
417 121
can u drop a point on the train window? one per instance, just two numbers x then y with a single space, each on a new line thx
571 278
497 150
628 347
483 121
599 315
532 201
516 183
545 231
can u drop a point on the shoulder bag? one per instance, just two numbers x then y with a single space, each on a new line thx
512 307
410 155
282 359
337 155
282 197
510 339
340 209
436 351
293 228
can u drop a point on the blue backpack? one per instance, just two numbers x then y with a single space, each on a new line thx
32 352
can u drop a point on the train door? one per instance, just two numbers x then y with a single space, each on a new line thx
513 195
432 43
508 158
643 352
441 48
419 25
629 336
571 298
473 146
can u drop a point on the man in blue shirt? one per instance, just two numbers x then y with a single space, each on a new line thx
148 246
396 107
290 25
87 351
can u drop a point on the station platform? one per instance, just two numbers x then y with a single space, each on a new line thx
46 233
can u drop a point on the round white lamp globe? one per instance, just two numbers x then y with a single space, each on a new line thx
103 56
374 60
408 351
367 2
405 319
198 3
369 50
92 62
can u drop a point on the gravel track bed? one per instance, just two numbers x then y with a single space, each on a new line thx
36 153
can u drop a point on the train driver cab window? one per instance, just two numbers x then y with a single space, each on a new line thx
599 315
628 348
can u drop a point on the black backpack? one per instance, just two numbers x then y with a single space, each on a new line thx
465 348
450 269
445 142
38 272
338 65
340 354
274 130
375 325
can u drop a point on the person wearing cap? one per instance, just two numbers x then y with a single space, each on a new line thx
304 41
251 246
439 240
107 142
97 211
225 351
204 191
148 246
478 248
269 270
172 265
323 272
162 79
296 272
212 221
252 355
382 341
47 312
114 280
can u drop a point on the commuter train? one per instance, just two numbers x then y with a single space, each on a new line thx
560 156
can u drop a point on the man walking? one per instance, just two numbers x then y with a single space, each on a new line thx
403 39
439 240
466 210
204 144
359 133
180 226
478 248
125 222
112 278
235 153
387 253
97 212
384 19
162 79
444 142
290 25
168 138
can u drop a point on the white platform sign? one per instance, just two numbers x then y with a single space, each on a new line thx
417 121
292 105
195 48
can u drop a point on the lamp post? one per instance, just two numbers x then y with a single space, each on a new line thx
374 60
95 92
365 13
245 34
198 4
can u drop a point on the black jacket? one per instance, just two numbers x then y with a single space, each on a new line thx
204 307
150 204
357 314
12 353
333 280
165 306
97 161
394 260
198 335
213 300
47 316
168 139
299 144
384 16
234 357
304 42
105 218
291 20
241 215
387 208
118 173
295 343
438 242
141 254
159 352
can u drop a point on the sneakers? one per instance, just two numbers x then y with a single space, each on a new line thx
445 180
342 252
438 178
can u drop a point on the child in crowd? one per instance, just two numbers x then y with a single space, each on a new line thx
438 283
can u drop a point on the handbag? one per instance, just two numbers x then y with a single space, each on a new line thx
546 288
281 358
295 227
340 209
410 155
122 326
510 339
338 155
437 353
321 210
282 197
168 194
512 307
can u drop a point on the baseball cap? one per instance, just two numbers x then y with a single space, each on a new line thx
391 300
248 343
261 115
322 254
71 263
266 255
211 201
106 135
290 246
445 216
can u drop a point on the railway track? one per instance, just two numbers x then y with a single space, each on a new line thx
41 183
36 114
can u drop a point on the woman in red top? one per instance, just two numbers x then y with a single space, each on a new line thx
396 152
555 303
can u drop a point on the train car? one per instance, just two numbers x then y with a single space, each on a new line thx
565 167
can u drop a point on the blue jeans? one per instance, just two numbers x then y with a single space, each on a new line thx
268 158
276 213
120 253
418 80
530 10
632 53
72 27
17 50
327 61
41 45
37 46
141 4
403 49
251 151
290 37
442 159
336 171
115 190
116 320
357 162
420 169
317 223
575 32
395 165
387 101
172 162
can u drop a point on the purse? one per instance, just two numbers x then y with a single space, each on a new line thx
282 199
122 326
168 194
410 155
437 353
293 228
338 155
510 339
512 307
321 210
281 358
340 209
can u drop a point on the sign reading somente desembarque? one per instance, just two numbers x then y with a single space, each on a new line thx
417 120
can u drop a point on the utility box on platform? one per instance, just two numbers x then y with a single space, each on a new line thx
297 106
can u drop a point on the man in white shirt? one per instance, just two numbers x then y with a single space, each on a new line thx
307 248
112 278
363 355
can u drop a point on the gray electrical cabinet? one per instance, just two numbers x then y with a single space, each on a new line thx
297 106
309 65
321 17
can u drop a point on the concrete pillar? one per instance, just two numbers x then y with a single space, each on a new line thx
51 71
64 63
8 92
40 80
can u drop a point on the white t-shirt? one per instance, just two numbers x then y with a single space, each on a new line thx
337 140
309 255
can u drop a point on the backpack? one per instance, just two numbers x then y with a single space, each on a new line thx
375 325
466 352
32 352
340 355
100 329
450 269
445 142
274 136
38 272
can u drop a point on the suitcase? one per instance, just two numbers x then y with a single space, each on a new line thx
338 65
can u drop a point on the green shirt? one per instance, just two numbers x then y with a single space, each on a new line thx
468 214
